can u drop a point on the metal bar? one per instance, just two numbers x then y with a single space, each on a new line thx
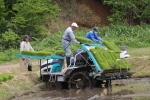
47 65
39 57
40 68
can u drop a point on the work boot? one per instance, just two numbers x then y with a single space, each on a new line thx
68 61
29 68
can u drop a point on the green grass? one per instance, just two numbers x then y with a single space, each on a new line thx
23 82
139 51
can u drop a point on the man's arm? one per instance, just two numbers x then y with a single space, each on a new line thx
21 46
31 49
98 38
92 37
72 37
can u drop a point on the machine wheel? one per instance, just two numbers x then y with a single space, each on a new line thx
54 85
79 80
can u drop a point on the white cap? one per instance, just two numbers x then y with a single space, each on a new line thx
74 24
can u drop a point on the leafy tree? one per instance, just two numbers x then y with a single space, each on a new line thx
3 21
129 10
19 17
31 16
10 39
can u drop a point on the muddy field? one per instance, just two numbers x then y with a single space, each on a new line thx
127 89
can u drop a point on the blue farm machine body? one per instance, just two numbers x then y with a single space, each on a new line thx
83 71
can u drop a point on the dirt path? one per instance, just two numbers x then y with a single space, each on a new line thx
5 66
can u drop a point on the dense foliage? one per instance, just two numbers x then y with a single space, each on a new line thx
20 17
129 10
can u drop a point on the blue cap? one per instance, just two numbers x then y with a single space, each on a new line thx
26 36
96 29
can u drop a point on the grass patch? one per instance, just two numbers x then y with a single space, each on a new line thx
139 51
140 65
23 82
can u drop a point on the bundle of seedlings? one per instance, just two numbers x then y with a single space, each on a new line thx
111 46
36 53
59 52
107 58
84 40
5 77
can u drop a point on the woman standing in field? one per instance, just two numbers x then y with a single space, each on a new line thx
24 62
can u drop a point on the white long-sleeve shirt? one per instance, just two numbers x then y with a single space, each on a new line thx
25 46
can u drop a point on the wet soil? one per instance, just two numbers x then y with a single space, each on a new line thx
126 89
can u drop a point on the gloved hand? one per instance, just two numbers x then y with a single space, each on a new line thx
87 44
100 42
81 43
23 58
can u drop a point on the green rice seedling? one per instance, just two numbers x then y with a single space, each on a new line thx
107 56
11 76
26 52
111 46
121 64
60 52
84 40
100 59
42 53
99 48
112 56
117 55
104 65
1 79
98 55
35 53
75 47
5 77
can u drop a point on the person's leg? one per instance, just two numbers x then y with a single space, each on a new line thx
23 65
67 52
29 64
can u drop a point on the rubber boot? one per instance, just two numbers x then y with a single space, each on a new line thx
29 68
68 61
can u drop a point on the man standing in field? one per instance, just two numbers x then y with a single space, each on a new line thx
67 38
93 35
24 62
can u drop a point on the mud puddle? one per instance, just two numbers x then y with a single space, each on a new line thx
127 89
